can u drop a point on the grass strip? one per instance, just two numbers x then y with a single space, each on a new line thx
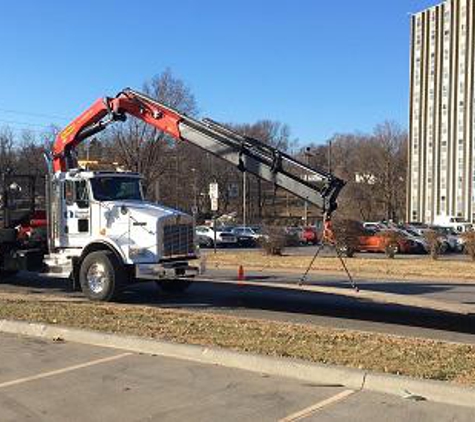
400 268
420 358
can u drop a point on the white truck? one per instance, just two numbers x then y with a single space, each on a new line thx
98 228
458 224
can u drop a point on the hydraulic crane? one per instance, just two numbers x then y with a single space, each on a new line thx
264 161
101 230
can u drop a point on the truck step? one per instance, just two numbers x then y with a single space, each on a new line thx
56 271
57 267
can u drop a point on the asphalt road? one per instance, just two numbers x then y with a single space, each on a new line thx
280 305
47 381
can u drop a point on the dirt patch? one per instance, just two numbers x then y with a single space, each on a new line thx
376 352
400 268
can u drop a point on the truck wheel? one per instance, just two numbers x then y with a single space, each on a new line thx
102 276
174 286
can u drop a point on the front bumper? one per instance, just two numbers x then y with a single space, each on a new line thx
172 270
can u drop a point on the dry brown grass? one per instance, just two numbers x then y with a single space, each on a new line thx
400 268
377 352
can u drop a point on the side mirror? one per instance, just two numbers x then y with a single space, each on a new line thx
14 187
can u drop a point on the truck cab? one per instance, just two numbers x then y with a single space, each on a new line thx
105 214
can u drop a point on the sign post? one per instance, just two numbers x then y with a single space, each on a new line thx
213 196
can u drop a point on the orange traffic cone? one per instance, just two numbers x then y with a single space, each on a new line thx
241 276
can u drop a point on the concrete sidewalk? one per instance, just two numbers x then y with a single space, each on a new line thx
53 381
310 372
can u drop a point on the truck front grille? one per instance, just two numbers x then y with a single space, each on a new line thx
178 240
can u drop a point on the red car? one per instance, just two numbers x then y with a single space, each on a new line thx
387 241
309 235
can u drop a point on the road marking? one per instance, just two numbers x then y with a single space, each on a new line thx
63 370
309 411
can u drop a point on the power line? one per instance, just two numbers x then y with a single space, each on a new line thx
24 124
33 114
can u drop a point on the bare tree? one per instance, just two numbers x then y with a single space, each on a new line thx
262 196
374 167
389 168
142 148
7 156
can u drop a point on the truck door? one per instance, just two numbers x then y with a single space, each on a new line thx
77 213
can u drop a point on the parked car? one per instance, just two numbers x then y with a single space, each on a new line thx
457 223
419 239
385 241
450 237
450 241
294 236
205 236
309 235
375 225
246 236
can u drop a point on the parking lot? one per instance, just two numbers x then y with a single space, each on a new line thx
56 381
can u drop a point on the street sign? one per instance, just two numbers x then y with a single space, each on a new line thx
233 190
214 204
213 190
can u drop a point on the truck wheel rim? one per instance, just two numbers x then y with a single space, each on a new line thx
96 278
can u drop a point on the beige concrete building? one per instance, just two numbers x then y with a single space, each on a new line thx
441 176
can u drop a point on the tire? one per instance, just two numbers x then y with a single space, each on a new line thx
102 276
391 250
348 251
174 285
444 248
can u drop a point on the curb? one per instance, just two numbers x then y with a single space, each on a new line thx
327 375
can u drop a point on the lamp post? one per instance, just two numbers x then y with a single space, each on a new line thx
195 199
244 199
307 155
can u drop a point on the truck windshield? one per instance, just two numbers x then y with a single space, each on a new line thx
116 188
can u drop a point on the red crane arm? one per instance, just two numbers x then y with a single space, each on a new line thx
105 111
247 154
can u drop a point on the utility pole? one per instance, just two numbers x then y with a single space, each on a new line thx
244 198
307 154
195 201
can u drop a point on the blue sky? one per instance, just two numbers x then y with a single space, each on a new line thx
323 67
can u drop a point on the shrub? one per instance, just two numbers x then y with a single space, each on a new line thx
346 234
434 242
274 240
391 239
469 244
292 238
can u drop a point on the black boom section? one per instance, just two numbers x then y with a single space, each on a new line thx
264 161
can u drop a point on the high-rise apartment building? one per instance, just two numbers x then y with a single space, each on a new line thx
441 176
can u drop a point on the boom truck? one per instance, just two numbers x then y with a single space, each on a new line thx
97 227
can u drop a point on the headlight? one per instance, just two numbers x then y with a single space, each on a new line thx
136 252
